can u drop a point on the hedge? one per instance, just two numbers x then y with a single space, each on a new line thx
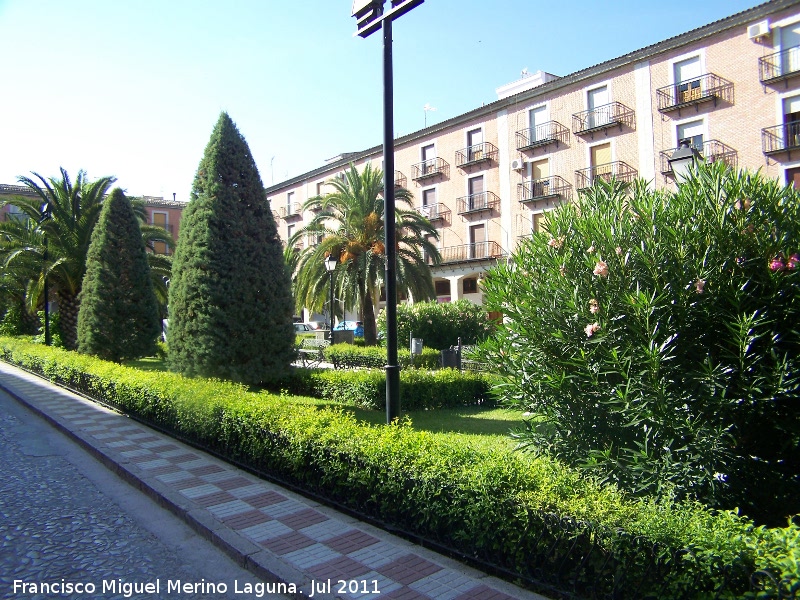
374 357
533 518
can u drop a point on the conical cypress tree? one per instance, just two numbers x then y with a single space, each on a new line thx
118 316
230 299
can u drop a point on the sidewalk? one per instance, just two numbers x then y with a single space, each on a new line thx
277 535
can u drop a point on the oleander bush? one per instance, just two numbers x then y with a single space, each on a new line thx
530 516
654 335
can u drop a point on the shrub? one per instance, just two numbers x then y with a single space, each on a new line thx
230 298
358 355
654 337
440 324
533 518
119 315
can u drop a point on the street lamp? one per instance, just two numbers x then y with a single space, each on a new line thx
45 210
330 267
371 16
683 159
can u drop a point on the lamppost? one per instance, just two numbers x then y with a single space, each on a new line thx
330 267
683 159
45 210
371 17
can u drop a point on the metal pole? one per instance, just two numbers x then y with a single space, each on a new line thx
47 338
392 368
331 308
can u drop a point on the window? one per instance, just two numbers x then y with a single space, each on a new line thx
477 240
477 198
428 156
289 202
537 117
470 285
320 188
793 177
687 79
790 48
597 101
692 131
442 287
474 144
429 207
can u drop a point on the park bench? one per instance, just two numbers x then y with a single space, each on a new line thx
312 351
467 362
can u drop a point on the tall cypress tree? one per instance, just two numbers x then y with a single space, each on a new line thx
118 316
230 299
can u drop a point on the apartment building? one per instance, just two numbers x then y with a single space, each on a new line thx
486 178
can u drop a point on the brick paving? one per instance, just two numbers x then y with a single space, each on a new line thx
273 532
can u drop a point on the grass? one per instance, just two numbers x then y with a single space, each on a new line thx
485 426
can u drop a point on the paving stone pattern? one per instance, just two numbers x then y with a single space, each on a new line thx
285 535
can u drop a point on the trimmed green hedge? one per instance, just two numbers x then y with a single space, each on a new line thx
419 389
497 505
374 357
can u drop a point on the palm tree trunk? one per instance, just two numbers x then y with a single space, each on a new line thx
68 312
370 326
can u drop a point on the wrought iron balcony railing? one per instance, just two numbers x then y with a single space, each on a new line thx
400 180
435 212
429 168
542 189
614 114
779 66
551 132
16 190
477 202
710 150
701 89
476 154
468 252
619 170
780 138
289 211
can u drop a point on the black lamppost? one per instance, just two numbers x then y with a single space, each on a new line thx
330 267
45 209
683 159
371 17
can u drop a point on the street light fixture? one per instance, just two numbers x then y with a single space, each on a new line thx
330 267
371 16
683 159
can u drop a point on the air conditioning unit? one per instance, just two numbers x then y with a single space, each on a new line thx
517 164
758 31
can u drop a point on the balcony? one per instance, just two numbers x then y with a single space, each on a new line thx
711 151
289 211
476 154
551 132
435 212
429 168
780 138
544 189
473 203
400 180
706 88
614 114
619 170
470 252
779 66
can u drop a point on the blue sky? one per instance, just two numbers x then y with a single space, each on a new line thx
133 89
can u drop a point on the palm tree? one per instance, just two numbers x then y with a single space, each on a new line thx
349 224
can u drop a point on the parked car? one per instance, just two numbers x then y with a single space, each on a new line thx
302 327
318 325
357 327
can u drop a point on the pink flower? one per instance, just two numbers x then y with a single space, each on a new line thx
590 249
563 270
618 250
556 242
699 285
591 329
794 261
601 269
594 307
777 264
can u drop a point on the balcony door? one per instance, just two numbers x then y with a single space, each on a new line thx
599 114
429 207
540 182
791 122
428 158
160 220
475 145
600 157
537 117
477 197
790 48
793 178
692 131
687 80
477 241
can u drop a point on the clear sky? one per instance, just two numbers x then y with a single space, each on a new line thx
133 88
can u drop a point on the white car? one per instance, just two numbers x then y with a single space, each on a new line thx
302 327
